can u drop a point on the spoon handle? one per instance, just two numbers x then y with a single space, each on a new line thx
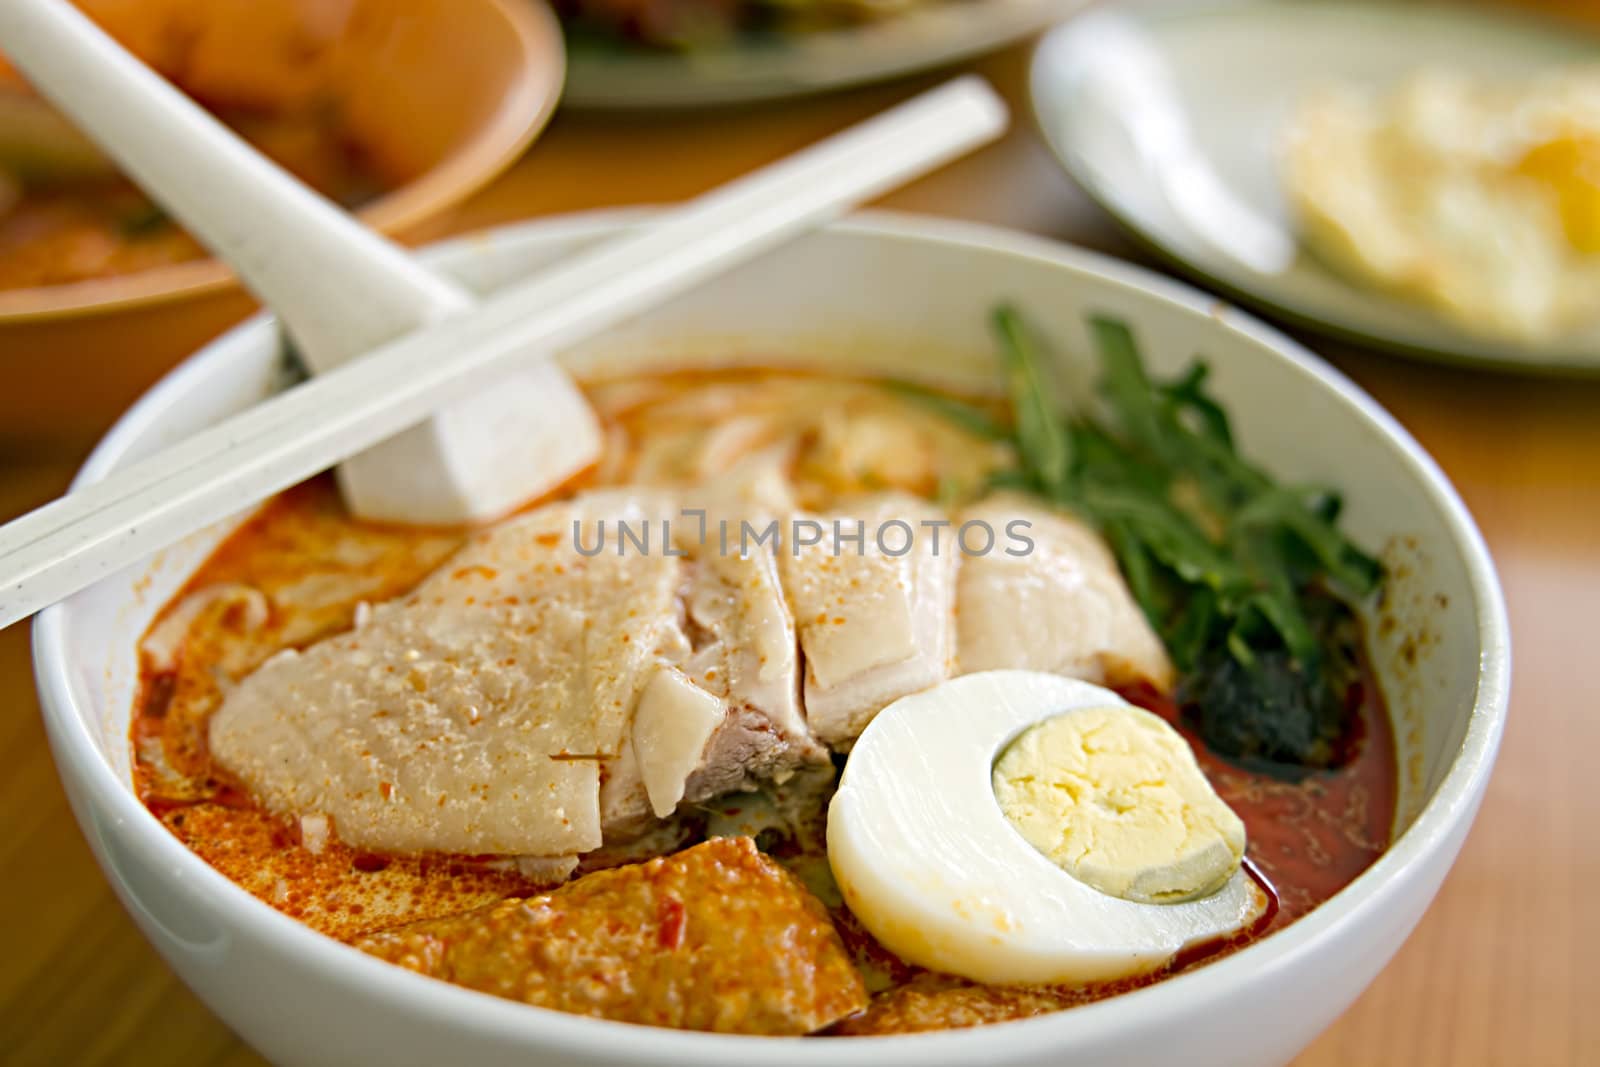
339 288
53 552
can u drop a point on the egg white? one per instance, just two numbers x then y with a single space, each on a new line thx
927 860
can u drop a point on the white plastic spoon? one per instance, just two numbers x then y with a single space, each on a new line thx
339 288
53 552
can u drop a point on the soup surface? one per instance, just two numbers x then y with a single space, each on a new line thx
302 570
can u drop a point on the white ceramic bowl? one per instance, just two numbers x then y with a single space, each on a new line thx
906 296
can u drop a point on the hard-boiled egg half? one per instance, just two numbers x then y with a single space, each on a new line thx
1017 827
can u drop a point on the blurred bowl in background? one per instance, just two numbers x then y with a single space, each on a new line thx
432 99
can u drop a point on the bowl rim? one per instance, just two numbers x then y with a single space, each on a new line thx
524 110
1453 802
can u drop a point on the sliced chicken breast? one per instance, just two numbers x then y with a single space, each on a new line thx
734 683
1061 607
496 709
874 624
470 715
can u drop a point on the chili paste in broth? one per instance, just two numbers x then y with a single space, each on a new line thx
301 569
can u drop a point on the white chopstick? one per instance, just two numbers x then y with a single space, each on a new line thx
69 544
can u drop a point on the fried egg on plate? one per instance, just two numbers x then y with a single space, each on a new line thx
1480 200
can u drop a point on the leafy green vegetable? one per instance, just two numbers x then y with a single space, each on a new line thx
143 221
1247 582
1042 440
1267 713
970 417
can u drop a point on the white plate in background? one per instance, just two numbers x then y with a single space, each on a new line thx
1236 69
751 68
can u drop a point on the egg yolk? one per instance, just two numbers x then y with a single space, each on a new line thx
1114 797
1570 168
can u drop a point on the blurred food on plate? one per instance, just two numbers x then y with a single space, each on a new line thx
690 23
270 71
1477 198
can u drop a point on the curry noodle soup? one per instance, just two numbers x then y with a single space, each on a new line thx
551 763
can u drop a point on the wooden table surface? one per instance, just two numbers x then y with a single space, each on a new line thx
1501 971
